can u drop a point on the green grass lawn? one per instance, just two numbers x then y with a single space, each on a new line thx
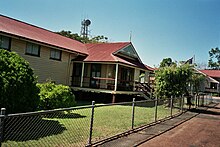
72 128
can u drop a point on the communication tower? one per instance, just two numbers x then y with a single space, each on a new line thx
84 29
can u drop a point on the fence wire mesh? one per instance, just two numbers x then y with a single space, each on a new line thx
59 128
163 108
177 105
110 120
144 113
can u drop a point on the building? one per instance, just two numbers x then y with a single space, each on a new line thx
109 68
48 53
212 80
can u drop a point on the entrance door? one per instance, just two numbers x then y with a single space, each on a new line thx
95 74
76 75
126 78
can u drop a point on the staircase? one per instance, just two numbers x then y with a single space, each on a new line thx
145 90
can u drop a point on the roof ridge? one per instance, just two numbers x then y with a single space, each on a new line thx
108 43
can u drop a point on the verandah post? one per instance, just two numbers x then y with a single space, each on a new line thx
91 125
133 110
2 125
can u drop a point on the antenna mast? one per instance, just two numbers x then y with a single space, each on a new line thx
130 36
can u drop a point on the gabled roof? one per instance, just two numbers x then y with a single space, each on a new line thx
208 78
212 73
104 51
107 52
27 31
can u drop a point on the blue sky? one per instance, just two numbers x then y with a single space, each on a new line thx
160 28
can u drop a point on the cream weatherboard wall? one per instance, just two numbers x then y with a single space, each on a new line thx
137 76
44 67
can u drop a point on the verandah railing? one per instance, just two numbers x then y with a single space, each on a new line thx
87 125
109 84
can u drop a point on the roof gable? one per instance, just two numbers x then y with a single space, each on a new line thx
128 52
27 31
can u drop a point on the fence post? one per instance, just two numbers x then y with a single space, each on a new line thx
182 103
206 100
194 101
171 106
2 125
197 99
91 125
155 113
203 100
133 110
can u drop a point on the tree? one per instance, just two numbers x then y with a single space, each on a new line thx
167 62
196 81
75 36
18 90
214 58
172 80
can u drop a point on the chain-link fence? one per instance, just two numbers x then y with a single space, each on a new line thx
66 127
88 125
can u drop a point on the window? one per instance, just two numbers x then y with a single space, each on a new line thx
33 49
213 85
5 42
55 54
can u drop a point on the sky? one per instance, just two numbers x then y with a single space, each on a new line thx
177 29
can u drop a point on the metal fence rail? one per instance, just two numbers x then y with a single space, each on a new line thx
89 125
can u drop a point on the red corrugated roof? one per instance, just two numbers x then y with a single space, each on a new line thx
212 73
104 52
28 31
150 68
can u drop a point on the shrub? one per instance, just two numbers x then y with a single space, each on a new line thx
18 90
54 96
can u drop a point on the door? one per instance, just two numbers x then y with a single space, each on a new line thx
76 75
126 78
95 74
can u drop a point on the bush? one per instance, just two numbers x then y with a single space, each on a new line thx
54 96
18 90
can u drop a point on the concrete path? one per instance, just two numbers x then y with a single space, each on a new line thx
196 128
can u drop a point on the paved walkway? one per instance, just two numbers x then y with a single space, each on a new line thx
192 129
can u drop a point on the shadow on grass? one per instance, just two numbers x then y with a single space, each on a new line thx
63 115
30 128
